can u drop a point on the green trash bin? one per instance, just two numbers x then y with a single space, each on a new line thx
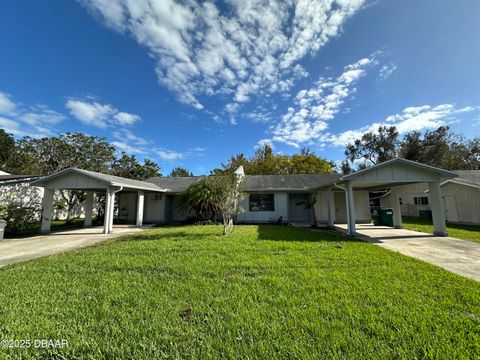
386 217
377 221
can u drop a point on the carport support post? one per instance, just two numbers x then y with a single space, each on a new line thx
330 210
438 209
397 211
140 202
350 209
109 200
47 210
88 209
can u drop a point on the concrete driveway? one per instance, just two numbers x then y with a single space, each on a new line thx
459 256
16 250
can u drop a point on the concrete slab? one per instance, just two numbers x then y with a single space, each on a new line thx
459 256
16 250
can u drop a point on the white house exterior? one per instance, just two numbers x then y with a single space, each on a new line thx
18 190
461 198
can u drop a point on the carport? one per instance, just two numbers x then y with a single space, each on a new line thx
392 174
92 183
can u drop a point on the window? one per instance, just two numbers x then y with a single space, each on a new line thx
421 200
262 202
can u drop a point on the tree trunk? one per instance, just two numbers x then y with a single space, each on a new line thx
314 217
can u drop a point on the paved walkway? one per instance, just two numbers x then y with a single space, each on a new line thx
455 255
16 250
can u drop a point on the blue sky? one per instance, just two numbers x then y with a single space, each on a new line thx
190 83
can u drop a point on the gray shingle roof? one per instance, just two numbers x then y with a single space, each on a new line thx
15 179
468 176
295 182
174 184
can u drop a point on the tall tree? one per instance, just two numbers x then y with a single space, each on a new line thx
442 148
52 154
180 172
374 147
127 166
7 149
266 162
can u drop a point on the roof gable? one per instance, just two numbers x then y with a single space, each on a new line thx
74 178
398 170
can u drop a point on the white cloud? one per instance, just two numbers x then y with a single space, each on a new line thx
169 155
9 126
127 135
242 49
126 118
307 121
100 115
22 120
128 148
387 70
412 118
7 106
41 114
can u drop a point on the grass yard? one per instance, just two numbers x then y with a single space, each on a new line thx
263 292
466 232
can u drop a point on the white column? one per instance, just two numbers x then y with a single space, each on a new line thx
397 211
89 208
438 209
330 208
47 210
108 213
350 209
140 201
112 210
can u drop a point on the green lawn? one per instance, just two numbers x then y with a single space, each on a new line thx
467 232
263 292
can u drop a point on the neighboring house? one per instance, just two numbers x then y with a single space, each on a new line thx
18 190
461 197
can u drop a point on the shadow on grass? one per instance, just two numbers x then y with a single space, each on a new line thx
417 221
177 235
289 233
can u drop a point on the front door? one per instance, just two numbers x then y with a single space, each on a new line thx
297 211
451 209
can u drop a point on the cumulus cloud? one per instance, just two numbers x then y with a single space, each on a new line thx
314 107
100 115
410 119
242 49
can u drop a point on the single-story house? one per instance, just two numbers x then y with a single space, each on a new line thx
340 198
461 198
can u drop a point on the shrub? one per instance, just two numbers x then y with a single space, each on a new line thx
21 220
